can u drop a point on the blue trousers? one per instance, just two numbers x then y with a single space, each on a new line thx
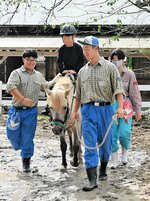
95 122
22 138
121 132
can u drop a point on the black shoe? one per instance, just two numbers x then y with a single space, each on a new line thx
103 176
102 171
26 164
92 177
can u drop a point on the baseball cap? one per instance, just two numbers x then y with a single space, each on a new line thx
89 40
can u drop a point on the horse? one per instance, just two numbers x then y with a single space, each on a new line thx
60 101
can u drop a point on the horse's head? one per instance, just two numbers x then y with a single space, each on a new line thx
59 104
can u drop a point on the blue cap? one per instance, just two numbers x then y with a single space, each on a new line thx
89 40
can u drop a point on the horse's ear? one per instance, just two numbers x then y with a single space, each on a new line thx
67 91
48 91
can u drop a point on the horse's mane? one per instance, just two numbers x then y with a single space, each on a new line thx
64 82
57 96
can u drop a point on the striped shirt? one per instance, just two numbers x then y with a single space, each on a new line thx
131 89
98 83
29 85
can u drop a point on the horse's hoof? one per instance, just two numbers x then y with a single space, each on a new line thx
64 166
71 154
74 164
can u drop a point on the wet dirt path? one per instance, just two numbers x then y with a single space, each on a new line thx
51 183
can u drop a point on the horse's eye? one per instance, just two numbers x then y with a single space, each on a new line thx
65 108
50 108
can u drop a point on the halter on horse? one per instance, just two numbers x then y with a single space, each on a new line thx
60 100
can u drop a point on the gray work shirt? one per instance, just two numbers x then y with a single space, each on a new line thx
98 83
29 85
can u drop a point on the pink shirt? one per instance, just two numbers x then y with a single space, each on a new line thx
131 89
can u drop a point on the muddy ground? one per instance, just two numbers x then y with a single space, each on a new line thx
50 183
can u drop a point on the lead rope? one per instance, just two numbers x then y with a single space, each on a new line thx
69 115
114 119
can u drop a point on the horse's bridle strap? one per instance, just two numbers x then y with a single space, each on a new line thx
58 123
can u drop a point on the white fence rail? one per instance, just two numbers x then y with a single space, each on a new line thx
145 104
41 103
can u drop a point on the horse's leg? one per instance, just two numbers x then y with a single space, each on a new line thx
79 132
80 154
70 141
75 161
63 146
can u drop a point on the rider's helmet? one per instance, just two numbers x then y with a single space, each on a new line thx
119 53
68 30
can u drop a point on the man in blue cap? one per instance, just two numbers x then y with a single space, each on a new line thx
98 83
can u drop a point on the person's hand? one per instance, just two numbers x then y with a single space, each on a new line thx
27 102
65 72
72 72
68 71
138 116
120 113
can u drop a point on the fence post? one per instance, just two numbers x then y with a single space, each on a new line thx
0 97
